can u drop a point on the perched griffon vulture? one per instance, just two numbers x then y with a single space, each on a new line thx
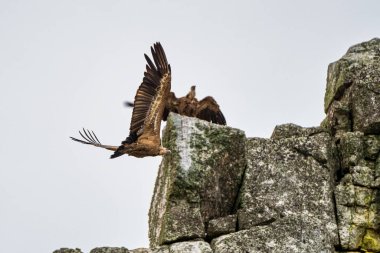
150 100
205 109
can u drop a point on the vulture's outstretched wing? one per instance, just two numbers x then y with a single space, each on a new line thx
90 138
150 100
170 106
208 109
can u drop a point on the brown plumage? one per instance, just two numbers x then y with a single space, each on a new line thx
144 132
205 109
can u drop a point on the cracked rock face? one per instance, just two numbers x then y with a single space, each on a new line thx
352 103
288 187
221 226
352 99
358 208
199 181
284 235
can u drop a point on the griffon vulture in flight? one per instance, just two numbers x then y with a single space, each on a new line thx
144 132
205 109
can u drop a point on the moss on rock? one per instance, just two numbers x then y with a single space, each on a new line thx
198 181
371 241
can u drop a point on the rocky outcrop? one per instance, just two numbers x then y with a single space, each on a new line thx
287 187
302 190
198 182
352 100
352 104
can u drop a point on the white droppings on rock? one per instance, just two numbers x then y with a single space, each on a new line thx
183 142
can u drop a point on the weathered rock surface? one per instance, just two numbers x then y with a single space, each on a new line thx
352 99
288 184
358 210
110 250
67 250
186 247
141 250
292 130
221 226
288 234
352 103
198 181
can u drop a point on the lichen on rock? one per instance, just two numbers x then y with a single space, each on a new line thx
198 181
290 180
353 82
357 190
289 234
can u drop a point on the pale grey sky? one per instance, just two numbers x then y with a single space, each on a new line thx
65 65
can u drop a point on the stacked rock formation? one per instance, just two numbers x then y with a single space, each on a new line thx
302 190
352 104
244 195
